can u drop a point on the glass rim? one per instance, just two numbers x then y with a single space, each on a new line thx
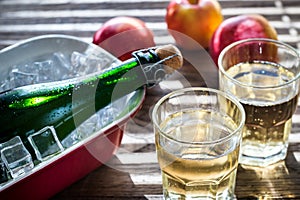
190 89
277 42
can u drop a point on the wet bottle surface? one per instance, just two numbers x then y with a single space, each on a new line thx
66 104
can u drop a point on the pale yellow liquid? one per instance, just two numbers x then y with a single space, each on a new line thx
198 172
268 112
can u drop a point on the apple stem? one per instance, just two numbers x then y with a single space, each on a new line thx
193 1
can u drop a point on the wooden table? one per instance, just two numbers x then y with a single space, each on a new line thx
133 173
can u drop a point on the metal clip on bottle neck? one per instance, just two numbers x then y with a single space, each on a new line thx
152 66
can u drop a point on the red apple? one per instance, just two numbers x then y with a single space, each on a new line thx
238 28
197 19
123 35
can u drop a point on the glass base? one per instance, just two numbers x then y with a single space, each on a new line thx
173 196
262 161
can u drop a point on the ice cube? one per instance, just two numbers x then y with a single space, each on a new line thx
16 157
77 59
87 63
88 127
95 123
104 60
3 173
71 139
62 68
5 85
107 116
44 70
84 130
45 143
20 78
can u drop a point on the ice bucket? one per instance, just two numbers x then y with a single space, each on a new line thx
83 154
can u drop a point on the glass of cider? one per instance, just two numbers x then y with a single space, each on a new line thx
197 135
264 75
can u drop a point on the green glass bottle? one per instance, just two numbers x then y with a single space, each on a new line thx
28 109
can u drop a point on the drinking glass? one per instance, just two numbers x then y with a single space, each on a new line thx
264 75
197 136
